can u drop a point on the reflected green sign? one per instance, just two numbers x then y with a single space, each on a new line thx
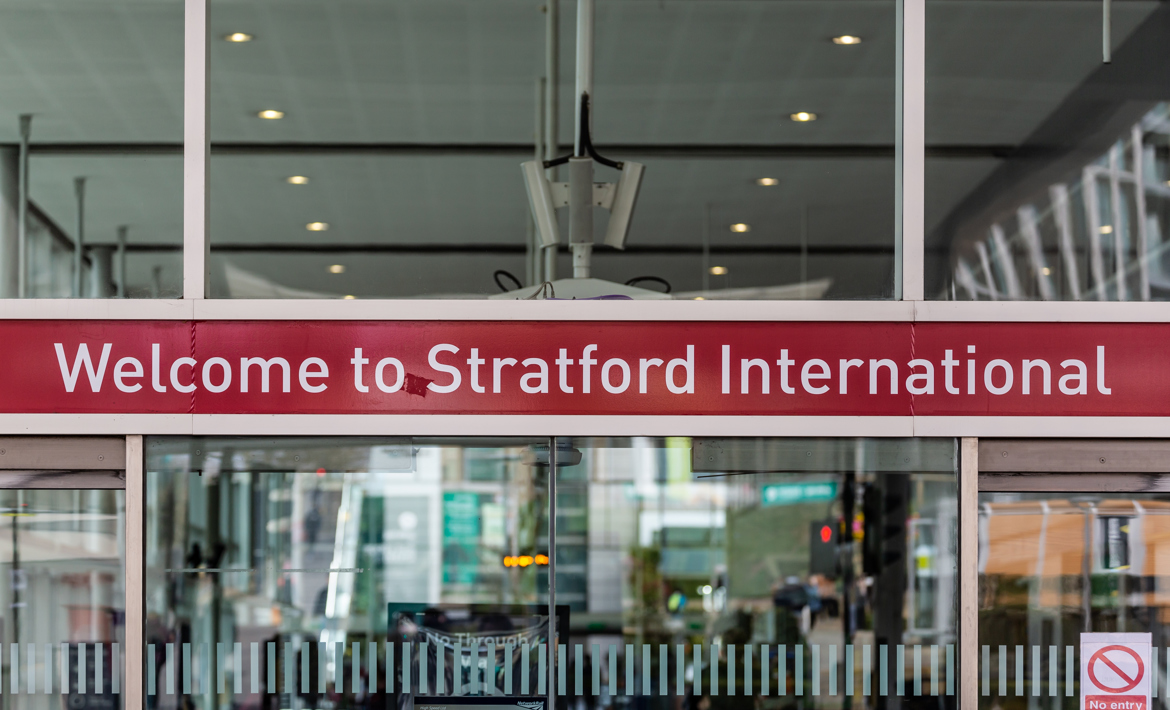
790 493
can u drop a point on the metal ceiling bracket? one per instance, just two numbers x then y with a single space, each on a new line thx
580 194
1106 32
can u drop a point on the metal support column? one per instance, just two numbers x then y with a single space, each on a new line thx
9 197
1141 227
533 259
1119 221
121 282
22 277
1106 32
552 70
1093 219
101 272
1062 214
79 239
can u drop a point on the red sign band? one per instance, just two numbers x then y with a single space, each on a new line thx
599 368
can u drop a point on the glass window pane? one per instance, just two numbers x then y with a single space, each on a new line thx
1047 168
1055 565
62 614
103 83
733 572
350 572
374 150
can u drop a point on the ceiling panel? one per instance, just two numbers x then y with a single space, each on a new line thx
677 72
92 70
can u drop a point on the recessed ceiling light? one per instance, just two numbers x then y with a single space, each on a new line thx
740 227
337 269
847 39
349 298
271 114
1046 271
803 117
297 180
1106 229
317 226
239 37
700 298
718 270
767 182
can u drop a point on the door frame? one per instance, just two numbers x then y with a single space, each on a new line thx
1037 465
109 462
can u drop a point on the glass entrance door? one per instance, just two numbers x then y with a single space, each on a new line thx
62 575
1083 546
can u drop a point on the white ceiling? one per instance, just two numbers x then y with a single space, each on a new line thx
463 71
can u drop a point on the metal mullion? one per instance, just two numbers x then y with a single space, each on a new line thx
196 151
135 602
968 572
553 639
910 150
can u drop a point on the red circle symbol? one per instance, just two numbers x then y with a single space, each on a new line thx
826 533
1100 656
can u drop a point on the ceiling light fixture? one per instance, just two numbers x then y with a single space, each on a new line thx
1047 271
239 37
699 298
337 269
847 39
317 226
740 227
718 270
767 182
803 117
1106 229
349 298
271 114
297 180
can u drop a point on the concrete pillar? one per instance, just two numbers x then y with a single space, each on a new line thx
9 238
101 273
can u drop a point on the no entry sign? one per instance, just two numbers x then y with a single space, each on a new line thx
1115 671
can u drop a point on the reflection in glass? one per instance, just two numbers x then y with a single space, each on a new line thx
348 572
62 586
1047 169
690 574
96 89
398 244
785 572
1054 565
769 169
